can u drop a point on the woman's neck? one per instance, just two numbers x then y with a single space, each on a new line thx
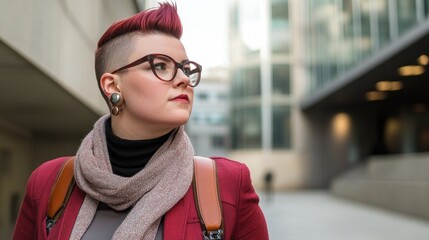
128 157
123 127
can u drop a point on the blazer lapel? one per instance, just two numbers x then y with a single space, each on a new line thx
175 219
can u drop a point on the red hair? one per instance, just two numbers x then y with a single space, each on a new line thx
116 44
163 19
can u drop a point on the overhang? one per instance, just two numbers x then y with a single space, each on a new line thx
33 102
349 90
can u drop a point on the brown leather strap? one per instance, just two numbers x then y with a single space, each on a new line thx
61 190
206 194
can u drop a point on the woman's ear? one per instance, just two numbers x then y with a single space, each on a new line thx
109 84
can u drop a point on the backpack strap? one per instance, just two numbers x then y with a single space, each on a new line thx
207 198
60 193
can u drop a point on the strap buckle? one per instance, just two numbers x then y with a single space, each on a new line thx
213 235
49 223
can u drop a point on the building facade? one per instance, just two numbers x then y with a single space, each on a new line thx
49 99
264 71
331 93
208 127
366 102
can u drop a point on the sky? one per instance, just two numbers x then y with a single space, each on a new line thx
205 31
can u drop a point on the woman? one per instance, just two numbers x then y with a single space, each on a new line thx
134 169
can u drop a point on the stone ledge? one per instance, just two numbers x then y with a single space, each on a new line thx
408 197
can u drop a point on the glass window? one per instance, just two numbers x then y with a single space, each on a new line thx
407 15
202 96
311 53
365 27
382 11
246 128
237 89
351 29
280 31
218 141
234 23
281 79
342 33
252 82
196 118
426 8
281 127
217 119
247 83
222 97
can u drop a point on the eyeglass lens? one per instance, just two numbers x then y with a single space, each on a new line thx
165 69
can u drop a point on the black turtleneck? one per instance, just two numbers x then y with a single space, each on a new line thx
128 157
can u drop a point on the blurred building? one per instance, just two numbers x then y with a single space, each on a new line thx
265 72
49 98
208 127
333 93
366 103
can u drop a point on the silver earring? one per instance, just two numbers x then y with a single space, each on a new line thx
116 100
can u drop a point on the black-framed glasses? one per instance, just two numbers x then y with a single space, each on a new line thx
165 68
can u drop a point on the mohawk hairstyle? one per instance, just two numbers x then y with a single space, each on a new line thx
163 19
116 43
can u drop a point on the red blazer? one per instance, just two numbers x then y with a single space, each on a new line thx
242 216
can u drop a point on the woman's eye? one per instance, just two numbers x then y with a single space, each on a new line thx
187 71
160 66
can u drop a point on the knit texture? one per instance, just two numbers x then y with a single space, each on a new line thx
151 192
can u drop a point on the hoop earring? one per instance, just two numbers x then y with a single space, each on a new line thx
116 100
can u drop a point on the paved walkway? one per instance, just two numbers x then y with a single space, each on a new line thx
318 215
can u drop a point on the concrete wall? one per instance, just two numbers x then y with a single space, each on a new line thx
15 162
288 168
396 182
60 36
336 140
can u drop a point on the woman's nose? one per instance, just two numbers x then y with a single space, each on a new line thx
181 78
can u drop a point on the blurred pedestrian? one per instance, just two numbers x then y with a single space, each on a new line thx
268 181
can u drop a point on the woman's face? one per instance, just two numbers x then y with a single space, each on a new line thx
152 105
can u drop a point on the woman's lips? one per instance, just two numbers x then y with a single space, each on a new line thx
181 97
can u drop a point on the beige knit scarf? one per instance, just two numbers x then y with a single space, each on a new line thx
151 192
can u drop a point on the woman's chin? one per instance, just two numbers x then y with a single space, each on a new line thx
183 121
